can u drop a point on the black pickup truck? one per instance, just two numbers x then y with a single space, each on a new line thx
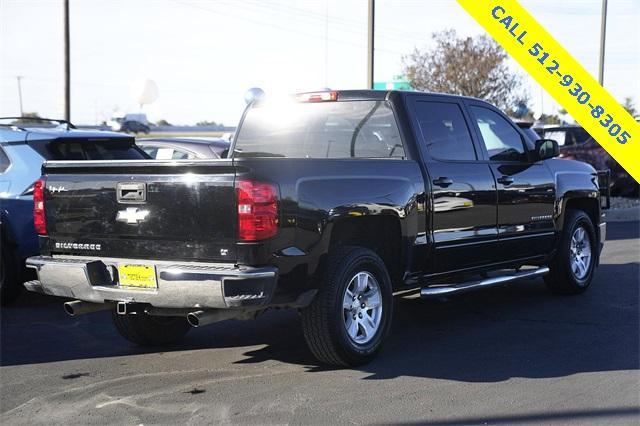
329 203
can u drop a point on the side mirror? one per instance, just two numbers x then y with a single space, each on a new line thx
547 148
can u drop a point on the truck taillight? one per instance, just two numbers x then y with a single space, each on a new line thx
39 219
257 210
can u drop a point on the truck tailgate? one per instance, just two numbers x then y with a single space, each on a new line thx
142 209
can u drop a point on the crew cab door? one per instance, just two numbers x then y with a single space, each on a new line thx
526 190
463 193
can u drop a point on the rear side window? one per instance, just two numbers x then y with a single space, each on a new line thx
4 161
347 129
445 131
78 149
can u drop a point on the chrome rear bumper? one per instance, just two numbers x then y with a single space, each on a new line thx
180 284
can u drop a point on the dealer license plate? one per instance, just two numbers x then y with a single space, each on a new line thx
141 276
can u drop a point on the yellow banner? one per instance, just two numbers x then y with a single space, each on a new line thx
562 77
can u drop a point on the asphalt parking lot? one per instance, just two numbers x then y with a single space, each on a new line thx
511 355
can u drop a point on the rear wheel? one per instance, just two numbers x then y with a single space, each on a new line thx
572 270
147 330
350 317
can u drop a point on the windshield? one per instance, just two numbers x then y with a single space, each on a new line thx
348 129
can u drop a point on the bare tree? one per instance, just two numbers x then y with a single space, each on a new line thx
630 107
470 66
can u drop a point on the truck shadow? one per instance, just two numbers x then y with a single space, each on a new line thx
517 331
623 231
489 336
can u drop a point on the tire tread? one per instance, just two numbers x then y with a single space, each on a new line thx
316 318
560 279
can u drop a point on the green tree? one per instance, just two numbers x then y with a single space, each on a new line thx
28 117
550 119
470 66
206 123
163 122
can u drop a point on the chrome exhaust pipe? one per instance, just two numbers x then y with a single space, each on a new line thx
78 307
202 318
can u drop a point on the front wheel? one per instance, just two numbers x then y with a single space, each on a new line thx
572 270
350 317
147 330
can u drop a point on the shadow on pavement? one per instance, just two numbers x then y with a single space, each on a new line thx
623 231
516 331
537 418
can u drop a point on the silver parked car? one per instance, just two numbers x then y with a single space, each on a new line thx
184 148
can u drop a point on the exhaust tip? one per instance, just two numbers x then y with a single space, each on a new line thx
68 308
193 319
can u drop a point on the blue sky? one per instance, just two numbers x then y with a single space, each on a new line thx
204 54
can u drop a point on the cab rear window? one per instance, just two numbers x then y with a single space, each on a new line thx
346 129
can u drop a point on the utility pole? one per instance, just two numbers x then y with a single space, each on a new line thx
67 70
370 39
326 43
19 78
603 35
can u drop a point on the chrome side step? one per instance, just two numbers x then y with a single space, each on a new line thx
447 290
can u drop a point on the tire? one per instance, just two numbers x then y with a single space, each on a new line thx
337 336
146 330
564 277
10 288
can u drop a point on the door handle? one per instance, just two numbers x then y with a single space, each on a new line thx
443 182
506 180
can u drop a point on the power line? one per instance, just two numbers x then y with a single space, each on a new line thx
390 32
278 27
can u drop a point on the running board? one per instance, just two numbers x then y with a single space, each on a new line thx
447 290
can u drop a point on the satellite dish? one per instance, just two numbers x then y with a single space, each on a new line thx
254 94
144 91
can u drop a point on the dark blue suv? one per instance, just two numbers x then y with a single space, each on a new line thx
24 145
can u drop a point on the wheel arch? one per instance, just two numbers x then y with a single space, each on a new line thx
590 206
380 233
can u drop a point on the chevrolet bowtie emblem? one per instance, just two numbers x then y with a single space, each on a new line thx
132 215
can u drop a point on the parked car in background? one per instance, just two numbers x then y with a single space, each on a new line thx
132 126
577 144
527 129
23 148
184 148
130 123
